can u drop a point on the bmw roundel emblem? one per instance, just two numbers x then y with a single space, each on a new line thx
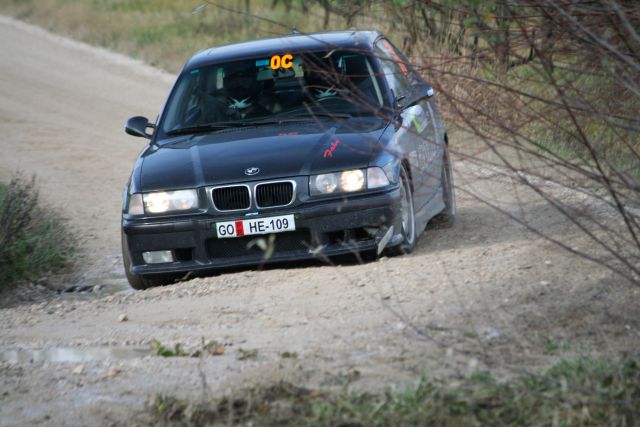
251 171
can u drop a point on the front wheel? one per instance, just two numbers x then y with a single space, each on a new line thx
408 217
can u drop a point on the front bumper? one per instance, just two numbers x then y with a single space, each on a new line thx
351 225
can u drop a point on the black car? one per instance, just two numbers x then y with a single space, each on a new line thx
287 148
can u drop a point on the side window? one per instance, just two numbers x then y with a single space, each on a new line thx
177 110
185 106
395 68
404 62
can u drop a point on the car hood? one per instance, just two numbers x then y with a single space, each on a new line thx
277 150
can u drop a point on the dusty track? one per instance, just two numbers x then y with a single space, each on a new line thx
485 293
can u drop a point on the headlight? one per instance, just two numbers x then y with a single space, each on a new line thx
156 202
352 180
166 201
184 199
347 181
326 183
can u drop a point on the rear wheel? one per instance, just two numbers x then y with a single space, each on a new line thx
408 217
138 281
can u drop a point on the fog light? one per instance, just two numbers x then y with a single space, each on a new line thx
157 257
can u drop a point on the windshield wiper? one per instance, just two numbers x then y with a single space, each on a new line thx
205 128
272 121
319 115
302 117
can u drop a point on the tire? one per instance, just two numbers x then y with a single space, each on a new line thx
408 218
139 282
447 217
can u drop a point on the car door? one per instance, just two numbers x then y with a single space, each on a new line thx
431 139
417 135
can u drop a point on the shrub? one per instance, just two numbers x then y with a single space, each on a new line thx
33 240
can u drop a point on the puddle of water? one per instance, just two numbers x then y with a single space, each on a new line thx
73 354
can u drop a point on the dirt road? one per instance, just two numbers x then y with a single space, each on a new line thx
485 294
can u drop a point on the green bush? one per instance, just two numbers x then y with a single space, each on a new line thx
33 241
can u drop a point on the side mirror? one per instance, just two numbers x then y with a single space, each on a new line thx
425 91
137 126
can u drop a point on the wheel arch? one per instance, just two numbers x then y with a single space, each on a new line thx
407 167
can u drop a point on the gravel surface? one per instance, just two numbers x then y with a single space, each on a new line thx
485 294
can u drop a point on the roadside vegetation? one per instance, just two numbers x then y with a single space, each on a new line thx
582 392
33 240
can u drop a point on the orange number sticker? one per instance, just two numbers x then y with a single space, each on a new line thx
284 61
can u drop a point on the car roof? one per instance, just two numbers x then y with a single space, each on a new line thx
353 39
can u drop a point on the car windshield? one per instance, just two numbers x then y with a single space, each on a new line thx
277 87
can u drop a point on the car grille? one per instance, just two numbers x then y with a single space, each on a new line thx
231 198
274 194
293 241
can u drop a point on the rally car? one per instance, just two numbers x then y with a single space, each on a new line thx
281 149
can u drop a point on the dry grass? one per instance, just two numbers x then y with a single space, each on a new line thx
572 393
164 32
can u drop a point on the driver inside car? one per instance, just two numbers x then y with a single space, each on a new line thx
244 93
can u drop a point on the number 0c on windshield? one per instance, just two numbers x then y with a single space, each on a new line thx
283 61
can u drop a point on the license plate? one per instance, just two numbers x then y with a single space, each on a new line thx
247 227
